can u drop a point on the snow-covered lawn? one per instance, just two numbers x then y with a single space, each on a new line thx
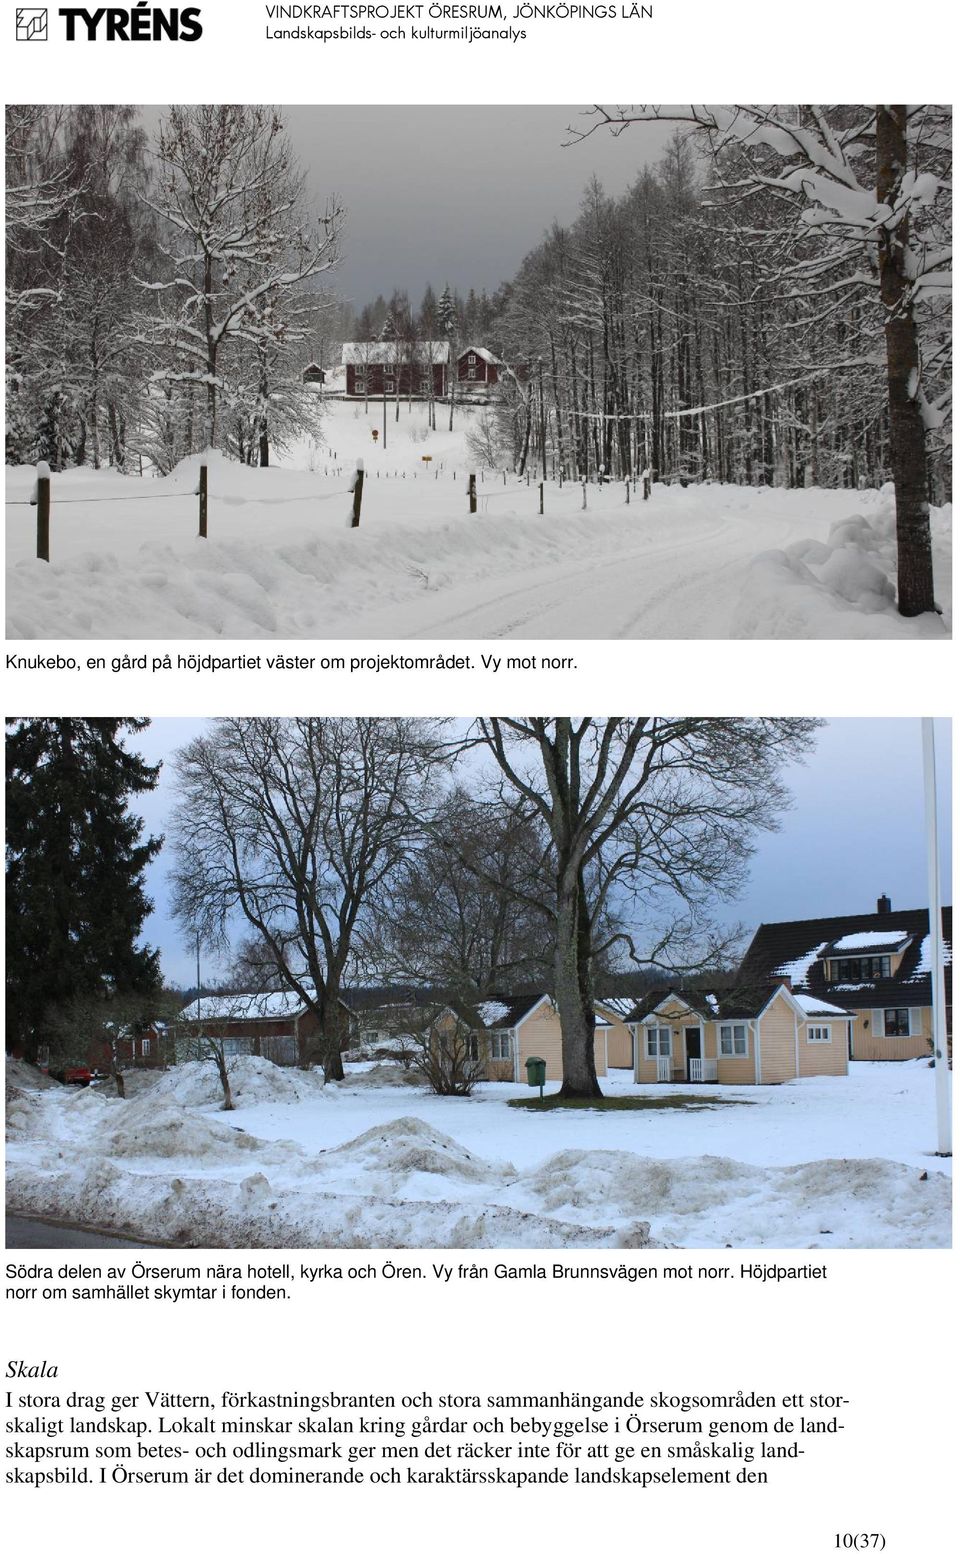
377 1161
710 561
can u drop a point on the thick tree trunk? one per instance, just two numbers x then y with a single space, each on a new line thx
572 991
907 432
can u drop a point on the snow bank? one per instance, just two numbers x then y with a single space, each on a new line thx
253 1081
707 561
709 1200
807 1164
844 586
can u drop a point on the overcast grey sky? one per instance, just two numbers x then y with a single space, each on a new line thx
856 830
458 194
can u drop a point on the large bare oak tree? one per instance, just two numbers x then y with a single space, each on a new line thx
648 809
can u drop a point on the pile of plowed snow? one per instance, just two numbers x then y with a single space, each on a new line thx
26 1077
25 1111
253 1082
406 1147
168 1132
380 1074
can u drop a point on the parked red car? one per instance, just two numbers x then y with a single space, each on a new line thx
75 1074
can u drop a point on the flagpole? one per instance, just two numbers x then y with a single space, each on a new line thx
941 1066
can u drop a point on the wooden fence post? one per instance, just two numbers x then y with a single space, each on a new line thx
42 500
646 485
584 496
628 493
472 492
541 498
202 493
357 495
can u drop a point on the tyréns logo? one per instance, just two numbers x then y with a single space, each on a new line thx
141 24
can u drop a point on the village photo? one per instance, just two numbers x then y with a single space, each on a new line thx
469 372
622 983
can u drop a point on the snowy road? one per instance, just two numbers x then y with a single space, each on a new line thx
653 585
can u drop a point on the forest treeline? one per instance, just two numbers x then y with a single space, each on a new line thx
161 293
770 304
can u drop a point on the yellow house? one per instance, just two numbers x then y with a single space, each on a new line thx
504 1032
620 1037
761 1038
876 964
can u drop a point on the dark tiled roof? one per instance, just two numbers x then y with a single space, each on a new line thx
736 1003
500 1014
794 949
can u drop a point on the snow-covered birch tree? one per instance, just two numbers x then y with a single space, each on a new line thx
229 198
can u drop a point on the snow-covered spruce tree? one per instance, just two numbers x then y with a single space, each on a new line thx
657 812
76 856
238 243
449 320
869 193
293 827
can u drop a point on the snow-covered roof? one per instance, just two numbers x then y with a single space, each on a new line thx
924 960
388 353
245 1006
492 1011
850 942
483 353
624 1007
798 970
811 1005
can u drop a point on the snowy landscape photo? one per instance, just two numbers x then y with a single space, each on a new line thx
612 983
534 372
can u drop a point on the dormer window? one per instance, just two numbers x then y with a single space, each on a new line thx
862 968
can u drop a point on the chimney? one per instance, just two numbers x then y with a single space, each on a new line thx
884 906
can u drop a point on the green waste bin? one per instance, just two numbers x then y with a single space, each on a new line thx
537 1072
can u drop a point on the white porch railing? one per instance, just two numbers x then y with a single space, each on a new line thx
703 1071
663 1070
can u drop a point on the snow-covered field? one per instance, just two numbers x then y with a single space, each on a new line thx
379 1162
710 561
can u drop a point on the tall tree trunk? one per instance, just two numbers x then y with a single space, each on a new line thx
907 432
572 989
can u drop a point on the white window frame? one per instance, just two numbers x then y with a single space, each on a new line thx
471 360
897 1035
654 1042
501 1046
732 1029
820 1033
145 1046
471 372
389 385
